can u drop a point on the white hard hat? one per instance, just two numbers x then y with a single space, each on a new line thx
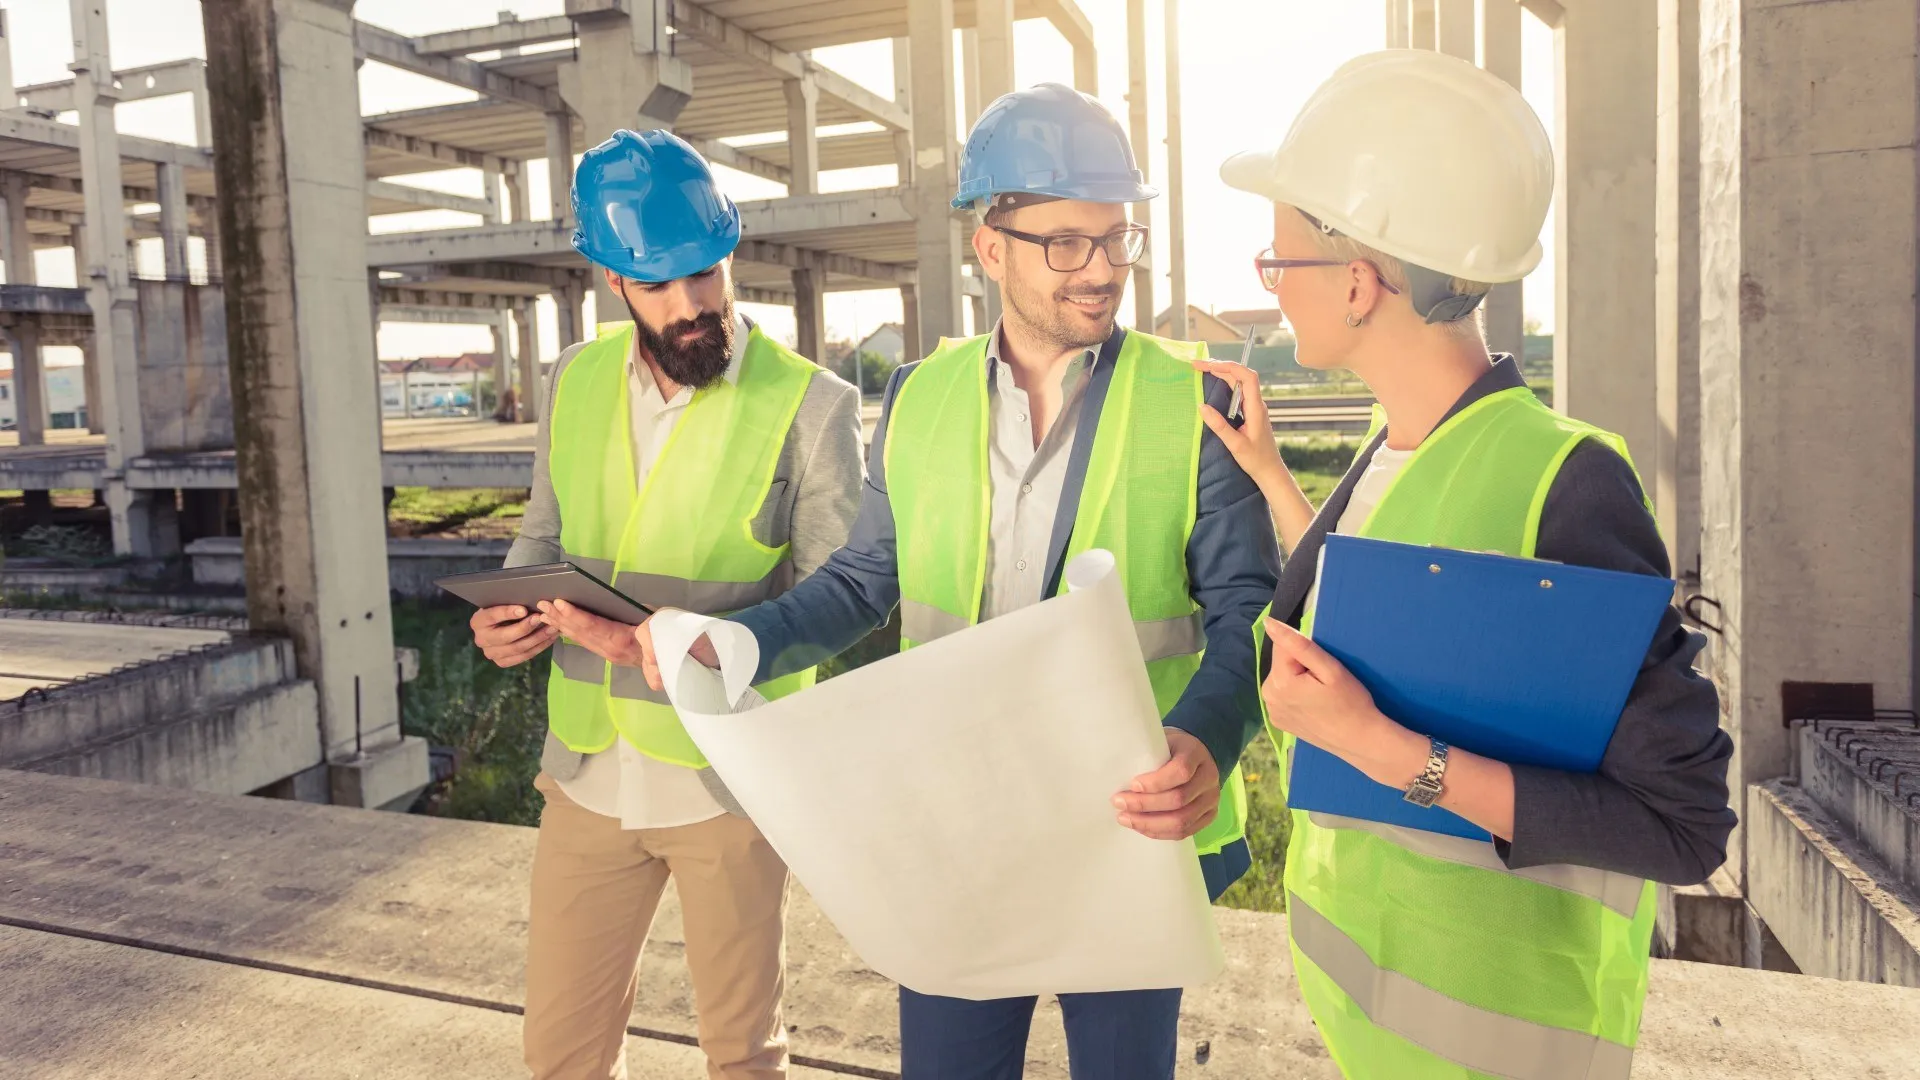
1419 155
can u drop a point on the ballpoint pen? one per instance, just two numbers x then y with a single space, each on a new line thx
1235 405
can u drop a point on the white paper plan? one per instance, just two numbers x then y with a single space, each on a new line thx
949 808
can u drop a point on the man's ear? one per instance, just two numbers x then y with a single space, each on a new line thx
990 247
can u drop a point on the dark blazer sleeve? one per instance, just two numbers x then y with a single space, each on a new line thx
1658 807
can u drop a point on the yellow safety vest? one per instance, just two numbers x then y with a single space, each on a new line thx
684 540
1139 502
1421 956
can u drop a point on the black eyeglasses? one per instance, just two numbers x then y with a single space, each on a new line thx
1270 268
1069 252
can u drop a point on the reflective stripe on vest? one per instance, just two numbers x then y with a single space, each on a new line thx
1139 501
1470 1037
1619 892
1159 639
1539 972
683 539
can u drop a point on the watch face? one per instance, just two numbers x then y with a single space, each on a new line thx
1422 795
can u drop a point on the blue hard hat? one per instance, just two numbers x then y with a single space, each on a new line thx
1049 140
648 209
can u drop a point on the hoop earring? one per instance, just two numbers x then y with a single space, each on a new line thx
1354 319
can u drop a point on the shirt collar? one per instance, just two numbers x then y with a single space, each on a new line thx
1091 357
741 329
1503 375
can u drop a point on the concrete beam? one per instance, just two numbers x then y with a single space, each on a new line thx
1076 29
1454 27
498 36
516 240
936 230
129 84
292 185
743 160
730 38
441 155
391 310
1603 341
1676 229
825 262
425 199
104 266
1813 573
27 128
1550 12
1141 137
484 306
378 43
132 193
547 277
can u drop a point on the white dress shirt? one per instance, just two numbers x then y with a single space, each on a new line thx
620 781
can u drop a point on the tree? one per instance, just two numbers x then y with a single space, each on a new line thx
874 371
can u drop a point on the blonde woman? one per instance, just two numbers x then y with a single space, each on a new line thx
1409 184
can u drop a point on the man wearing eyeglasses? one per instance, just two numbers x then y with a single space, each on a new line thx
1000 457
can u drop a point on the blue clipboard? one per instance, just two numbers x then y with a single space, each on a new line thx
1521 660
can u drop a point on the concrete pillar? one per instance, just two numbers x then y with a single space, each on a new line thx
993 77
810 314
6 57
936 175
1176 186
569 327
1807 345
289 164
1421 25
107 275
517 202
502 333
910 321
1142 145
1399 28
624 76
210 237
903 96
532 393
970 103
1500 54
1603 343
560 166
173 220
1676 465
89 358
803 167
1086 69
1454 31
29 372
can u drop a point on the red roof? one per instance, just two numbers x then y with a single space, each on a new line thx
472 361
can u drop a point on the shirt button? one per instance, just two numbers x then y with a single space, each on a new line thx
1023 418
1026 489
1021 565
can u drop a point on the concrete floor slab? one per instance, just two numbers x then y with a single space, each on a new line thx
83 1009
433 906
41 652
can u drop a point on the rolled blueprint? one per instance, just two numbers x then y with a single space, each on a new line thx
950 808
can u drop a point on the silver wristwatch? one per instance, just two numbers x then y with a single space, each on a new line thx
1426 787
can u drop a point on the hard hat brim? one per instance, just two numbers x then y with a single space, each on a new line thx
1115 191
671 264
1258 172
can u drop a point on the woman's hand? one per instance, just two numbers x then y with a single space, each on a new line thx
1252 446
1314 697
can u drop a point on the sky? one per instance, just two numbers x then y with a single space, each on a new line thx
1246 67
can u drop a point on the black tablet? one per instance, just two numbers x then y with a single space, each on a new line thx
526 586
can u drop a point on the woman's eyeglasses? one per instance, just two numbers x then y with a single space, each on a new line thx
1270 269
1070 252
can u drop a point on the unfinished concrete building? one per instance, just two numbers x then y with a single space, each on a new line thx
1736 276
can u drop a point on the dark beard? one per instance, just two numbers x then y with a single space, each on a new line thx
1049 322
698 364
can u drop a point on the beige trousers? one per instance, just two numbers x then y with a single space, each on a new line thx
595 889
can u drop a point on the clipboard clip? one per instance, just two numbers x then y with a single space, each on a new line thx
1690 609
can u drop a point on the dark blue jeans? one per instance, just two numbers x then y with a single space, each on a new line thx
1125 1035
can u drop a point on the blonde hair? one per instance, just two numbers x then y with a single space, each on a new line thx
1348 250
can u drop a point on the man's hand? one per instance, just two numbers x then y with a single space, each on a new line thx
508 636
1177 799
650 662
609 640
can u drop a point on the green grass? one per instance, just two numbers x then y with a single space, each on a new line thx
1268 826
440 505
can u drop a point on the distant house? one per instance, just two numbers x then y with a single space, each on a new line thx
1201 326
434 385
1265 322
889 341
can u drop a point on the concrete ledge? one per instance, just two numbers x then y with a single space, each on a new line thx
425 906
412 565
235 748
1865 799
109 706
1836 908
386 777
